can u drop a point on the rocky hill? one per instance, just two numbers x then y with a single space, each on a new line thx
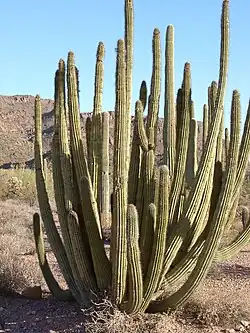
17 129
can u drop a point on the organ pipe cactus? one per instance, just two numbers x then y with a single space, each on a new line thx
167 221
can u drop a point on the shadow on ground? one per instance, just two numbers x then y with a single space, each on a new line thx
41 316
229 271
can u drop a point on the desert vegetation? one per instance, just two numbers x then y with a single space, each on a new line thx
128 243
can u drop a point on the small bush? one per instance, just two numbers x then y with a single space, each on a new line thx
12 279
16 240
103 317
19 183
208 314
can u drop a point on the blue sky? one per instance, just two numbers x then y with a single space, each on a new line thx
36 34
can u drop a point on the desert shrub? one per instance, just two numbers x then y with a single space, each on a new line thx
19 183
211 313
104 317
11 272
194 316
16 240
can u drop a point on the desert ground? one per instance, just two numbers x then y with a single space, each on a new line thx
221 304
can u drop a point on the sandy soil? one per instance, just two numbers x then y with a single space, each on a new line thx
225 297
221 304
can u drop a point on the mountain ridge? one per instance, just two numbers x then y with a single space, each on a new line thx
17 130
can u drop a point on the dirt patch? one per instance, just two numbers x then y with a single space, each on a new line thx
221 303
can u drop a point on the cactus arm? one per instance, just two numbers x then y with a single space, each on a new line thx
101 263
245 217
128 39
235 247
135 163
151 131
205 212
62 212
192 113
81 267
244 154
241 167
186 263
178 106
169 127
140 189
96 128
181 153
143 94
226 143
56 290
209 202
78 157
118 241
207 160
45 170
181 269
105 192
77 84
140 123
80 263
156 187
77 152
146 243
135 278
146 228
239 242
219 152
154 98
232 214
84 273
89 143
191 166
181 205
88 203
220 215
205 125
129 44
212 95
159 243
45 209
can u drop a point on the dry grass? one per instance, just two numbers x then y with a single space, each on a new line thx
19 183
195 316
16 240
223 300
104 317
12 279
245 193
205 313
